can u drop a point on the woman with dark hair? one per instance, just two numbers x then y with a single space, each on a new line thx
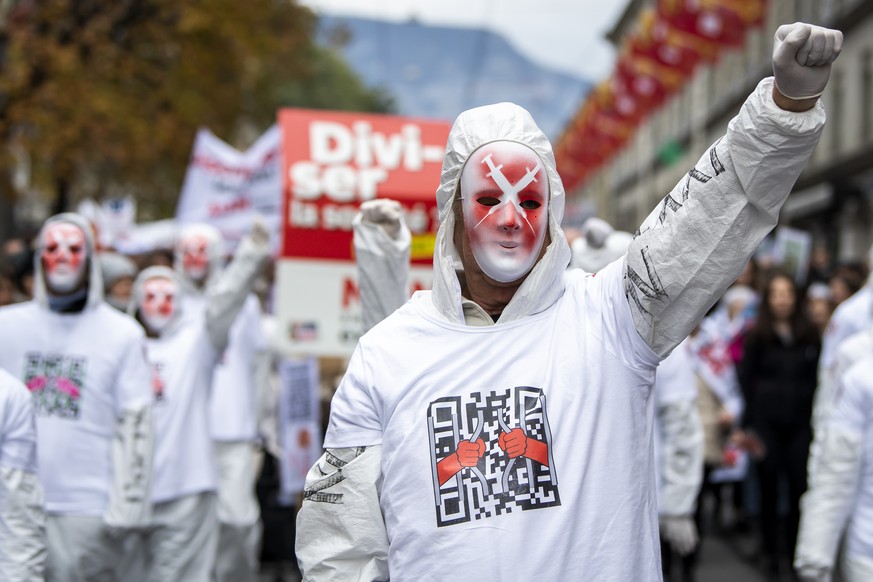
778 377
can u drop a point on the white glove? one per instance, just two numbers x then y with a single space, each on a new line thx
814 574
680 532
802 57
384 213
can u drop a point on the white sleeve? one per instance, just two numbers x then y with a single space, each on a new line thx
340 529
227 296
132 455
22 507
696 242
133 441
681 473
383 270
827 503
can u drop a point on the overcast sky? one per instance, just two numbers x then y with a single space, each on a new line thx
566 35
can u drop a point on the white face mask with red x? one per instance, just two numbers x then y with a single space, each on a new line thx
505 199
157 304
64 257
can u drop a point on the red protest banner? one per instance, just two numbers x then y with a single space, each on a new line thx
332 161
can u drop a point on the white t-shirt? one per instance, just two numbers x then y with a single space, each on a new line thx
233 412
575 378
853 412
182 365
83 370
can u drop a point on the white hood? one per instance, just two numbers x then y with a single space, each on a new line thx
95 277
471 130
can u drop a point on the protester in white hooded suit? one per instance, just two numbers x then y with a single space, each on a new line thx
499 427
599 245
233 404
84 363
840 495
182 540
22 508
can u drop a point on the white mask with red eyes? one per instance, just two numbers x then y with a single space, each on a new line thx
157 304
63 257
195 256
505 200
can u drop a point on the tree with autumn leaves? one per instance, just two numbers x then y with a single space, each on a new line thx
104 97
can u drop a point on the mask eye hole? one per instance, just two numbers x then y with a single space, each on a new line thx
75 249
51 247
530 204
488 201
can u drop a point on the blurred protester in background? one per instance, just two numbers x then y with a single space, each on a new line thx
84 363
732 319
22 507
849 317
841 486
678 460
119 272
19 257
233 404
598 245
819 305
777 375
182 539
844 283
720 403
820 264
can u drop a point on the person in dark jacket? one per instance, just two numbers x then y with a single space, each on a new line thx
778 377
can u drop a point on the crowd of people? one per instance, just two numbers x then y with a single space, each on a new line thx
521 420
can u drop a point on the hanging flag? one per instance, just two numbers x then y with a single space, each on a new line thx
709 20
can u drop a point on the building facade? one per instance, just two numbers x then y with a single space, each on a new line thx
833 199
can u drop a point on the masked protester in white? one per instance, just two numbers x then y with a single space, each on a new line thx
22 507
840 494
84 363
449 426
182 541
233 404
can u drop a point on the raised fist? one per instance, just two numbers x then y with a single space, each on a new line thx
802 57
513 443
385 213
469 452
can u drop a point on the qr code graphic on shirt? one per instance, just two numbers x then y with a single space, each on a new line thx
491 454
56 383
